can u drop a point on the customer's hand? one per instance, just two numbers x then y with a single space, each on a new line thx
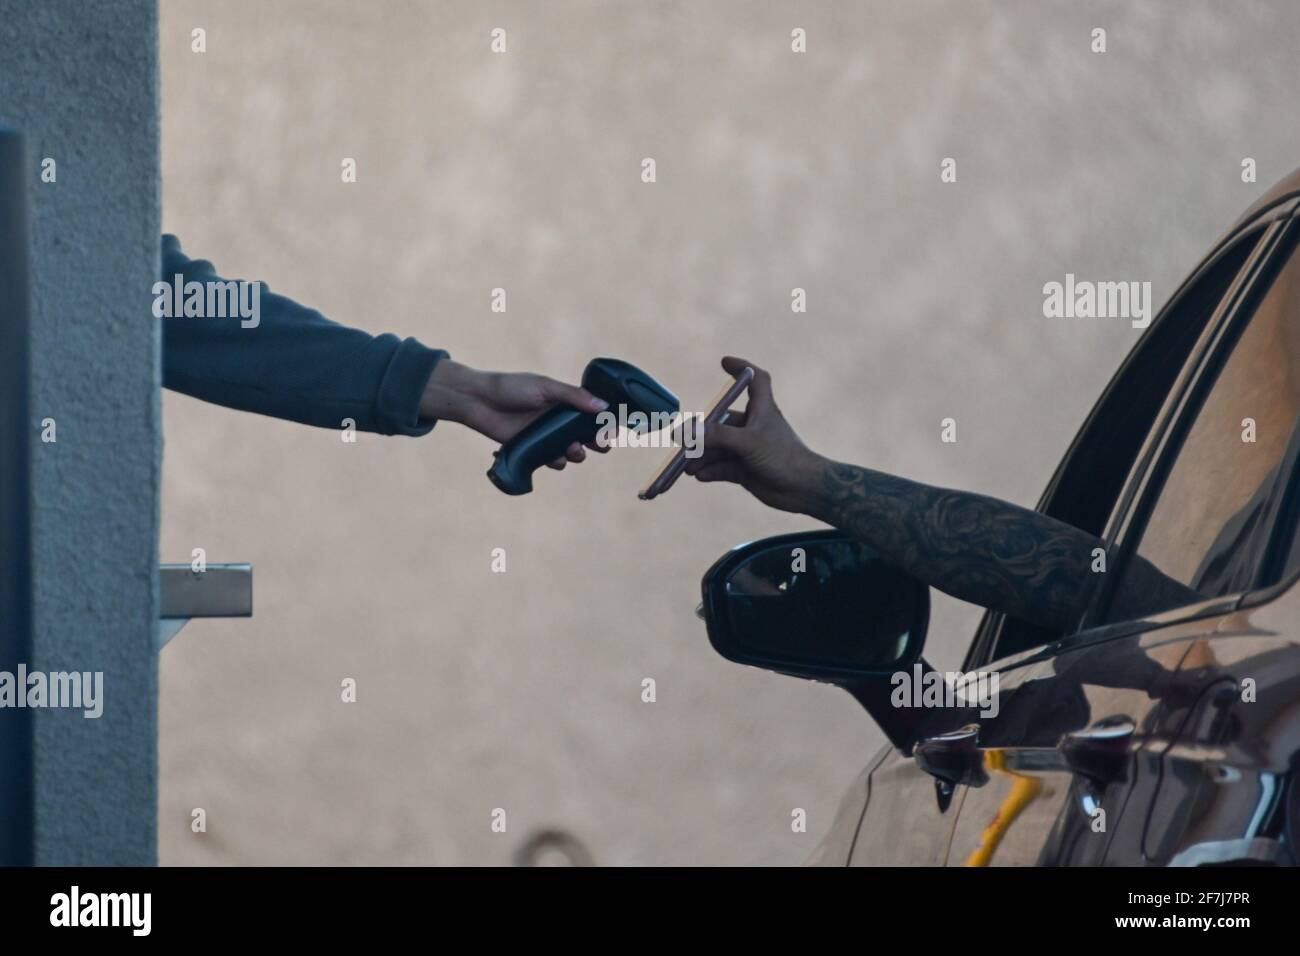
758 450
500 404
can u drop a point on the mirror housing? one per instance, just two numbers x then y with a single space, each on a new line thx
818 605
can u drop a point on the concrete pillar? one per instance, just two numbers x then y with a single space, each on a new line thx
80 81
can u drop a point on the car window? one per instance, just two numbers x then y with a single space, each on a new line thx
1205 534
1286 560
1087 485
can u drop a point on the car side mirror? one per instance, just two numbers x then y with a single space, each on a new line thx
818 605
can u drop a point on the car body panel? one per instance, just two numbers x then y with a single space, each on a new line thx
901 792
1235 752
1208 770
1035 807
836 847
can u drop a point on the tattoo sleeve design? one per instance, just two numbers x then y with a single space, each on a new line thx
974 547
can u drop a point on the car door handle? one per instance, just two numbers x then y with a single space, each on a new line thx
953 758
1101 752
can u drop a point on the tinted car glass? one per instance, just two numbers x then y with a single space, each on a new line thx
1287 564
1089 482
1203 537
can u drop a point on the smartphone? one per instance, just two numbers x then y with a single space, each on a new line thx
673 466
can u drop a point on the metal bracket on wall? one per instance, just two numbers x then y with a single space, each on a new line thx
220 590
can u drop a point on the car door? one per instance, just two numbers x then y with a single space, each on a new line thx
1187 547
1229 793
1071 753
910 813
1223 523
981 788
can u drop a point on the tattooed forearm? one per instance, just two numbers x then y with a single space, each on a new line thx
974 547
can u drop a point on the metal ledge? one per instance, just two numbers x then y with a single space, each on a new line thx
222 590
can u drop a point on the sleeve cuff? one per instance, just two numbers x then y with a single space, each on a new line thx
397 406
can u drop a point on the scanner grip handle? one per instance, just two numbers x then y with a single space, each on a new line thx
542 440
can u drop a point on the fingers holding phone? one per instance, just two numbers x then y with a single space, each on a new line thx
758 449
674 465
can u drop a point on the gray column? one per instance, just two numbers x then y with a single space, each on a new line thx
80 81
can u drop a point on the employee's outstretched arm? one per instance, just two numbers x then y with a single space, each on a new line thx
291 362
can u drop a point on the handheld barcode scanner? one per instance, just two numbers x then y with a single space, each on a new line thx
546 437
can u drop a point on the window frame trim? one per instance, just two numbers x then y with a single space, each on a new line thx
1142 489
1272 222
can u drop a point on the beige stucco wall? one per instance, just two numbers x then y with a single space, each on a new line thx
775 170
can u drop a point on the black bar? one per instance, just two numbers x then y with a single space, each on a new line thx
985 910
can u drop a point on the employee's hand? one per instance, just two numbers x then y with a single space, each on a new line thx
758 450
500 404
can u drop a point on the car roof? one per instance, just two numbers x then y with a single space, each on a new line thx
1288 186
